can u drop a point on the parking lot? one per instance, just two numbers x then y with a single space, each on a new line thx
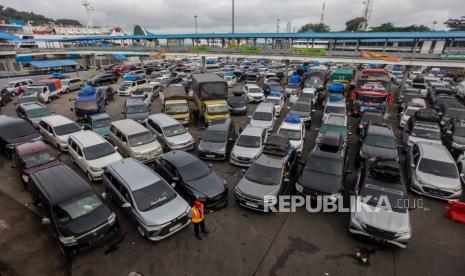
240 242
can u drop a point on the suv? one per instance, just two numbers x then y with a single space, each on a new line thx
335 105
15 131
378 140
293 128
170 133
90 152
127 87
217 140
134 140
263 117
56 130
155 207
135 108
237 102
103 78
377 182
33 112
323 174
254 92
15 87
66 203
303 109
248 146
432 171
269 176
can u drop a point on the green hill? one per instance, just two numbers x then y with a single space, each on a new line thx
10 13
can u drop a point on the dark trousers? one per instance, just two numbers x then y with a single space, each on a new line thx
199 227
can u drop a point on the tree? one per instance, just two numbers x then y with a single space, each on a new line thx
7 14
316 27
389 27
353 25
67 22
456 24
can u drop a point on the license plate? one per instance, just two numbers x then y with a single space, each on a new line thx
251 204
209 156
175 227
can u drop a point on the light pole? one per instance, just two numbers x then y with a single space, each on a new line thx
232 16
195 22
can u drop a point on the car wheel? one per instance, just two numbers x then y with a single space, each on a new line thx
141 231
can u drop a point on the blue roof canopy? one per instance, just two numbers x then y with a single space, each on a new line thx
52 63
120 56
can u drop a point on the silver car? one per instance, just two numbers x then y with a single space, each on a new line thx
157 209
170 133
71 84
248 146
263 117
431 171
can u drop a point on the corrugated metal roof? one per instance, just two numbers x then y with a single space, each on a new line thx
8 36
52 63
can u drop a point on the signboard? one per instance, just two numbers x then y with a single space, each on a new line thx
453 56
309 51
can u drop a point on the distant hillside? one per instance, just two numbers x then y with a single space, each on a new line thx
10 13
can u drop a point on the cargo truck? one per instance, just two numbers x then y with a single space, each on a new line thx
210 97
175 104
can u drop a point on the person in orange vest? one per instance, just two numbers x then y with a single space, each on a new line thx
197 215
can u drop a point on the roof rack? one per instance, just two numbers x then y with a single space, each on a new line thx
277 145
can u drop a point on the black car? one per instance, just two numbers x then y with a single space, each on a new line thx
104 78
274 87
193 178
324 171
109 93
14 131
370 117
378 140
237 102
5 96
450 111
454 135
71 209
217 140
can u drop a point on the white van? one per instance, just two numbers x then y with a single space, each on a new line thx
127 87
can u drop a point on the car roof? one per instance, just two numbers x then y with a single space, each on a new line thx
179 158
100 116
32 147
380 130
252 85
57 120
435 151
59 183
88 138
129 126
134 174
286 125
163 120
270 160
219 125
134 101
252 131
266 107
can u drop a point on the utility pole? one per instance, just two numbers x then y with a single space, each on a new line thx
366 14
232 16
277 25
322 17
288 26
195 22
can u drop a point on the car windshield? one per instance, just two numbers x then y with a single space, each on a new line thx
263 175
293 85
139 108
31 90
376 196
370 99
439 168
255 90
419 85
67 129
370 117
335 128
178 108
262 116
380 141
194 170
313 82
141 139
153 195
425 133
174 130
276 88
86 105
125 85
101 123
237 99
38 158
292 134
324 165
215 136
217 109
21 129
411 111
302 107
75 208
274 101
228 78
247 141
38 112
98 151
11 84
335 109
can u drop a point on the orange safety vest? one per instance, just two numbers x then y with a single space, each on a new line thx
198 214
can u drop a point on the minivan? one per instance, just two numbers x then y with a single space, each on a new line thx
263 117
127 87
155 207
134 140
171 134
71 209
217 140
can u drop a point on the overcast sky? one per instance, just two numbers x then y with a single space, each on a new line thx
177 16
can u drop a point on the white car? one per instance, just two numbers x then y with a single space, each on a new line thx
92 153
254 92
311 93
56 130
231 80
277 99
460 88
408 112
13 86
127 87
294 129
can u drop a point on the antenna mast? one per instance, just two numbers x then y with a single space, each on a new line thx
89 10
322 18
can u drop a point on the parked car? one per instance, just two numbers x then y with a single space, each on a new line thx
370 117
302 109
33 112
103 78
231 79
335 106
431 171
237 102
17 87
453 136
323 173
134 140
263 117
56 130
98 123
293 129
270 175
248 146
193 178
217 140
5 96
135 109
254 92
422 126
90 152
413 106
71 84
154 206
378 141
15 131
171 134
277 99
375 219
127 87
34 156
71 209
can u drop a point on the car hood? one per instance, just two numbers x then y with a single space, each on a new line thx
437 181
23 139
257 190
105 160
143 149
210 185
212 146
246 152
137 116
301 114
86 223
373 152
417 139
166 212
384 219
262 124
319 182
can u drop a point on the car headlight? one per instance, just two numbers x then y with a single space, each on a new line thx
360 126
25 178
420 180
10 146
171 144
359 221
299 187
68 240
96 169
200 197
111 219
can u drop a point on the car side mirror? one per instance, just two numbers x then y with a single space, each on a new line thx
173 185
46 221
126 205
412 165
287 180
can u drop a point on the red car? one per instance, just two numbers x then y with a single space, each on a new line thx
34 156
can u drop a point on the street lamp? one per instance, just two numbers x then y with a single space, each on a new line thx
195 22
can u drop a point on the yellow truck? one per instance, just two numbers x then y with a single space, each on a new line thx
210 97
175 104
